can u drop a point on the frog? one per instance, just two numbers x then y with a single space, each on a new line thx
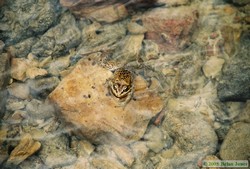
121 85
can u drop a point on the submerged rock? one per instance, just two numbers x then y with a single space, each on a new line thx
212 67
191 132
4 79
85 102
19 67
37 109
174 2
34 72
23 150
2 45
55 152
19 90
109 13
233 86
150 50
155 139
102 11
106 11
4 70
106 163
170 28
236 145
241 2
23 48
32 162
96 37
124 154
15 104
42 87
59 39
23 19
129 48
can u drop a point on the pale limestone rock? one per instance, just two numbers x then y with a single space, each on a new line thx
109 13
55 152
17 117
32 60
174 2
140 149
213 67
45 62
190 131
21 68
124 154
3 135
154 139
129 48
135 28
81 163
15 104
18 68
150 50
85 102
19 90
106 163
38 134
199 102
141 83
23 150
170 153
59 64
84 148
33 72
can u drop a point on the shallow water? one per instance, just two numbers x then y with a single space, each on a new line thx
120 84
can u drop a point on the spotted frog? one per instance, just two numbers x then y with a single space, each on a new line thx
121 85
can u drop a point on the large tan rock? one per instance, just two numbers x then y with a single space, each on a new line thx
85 102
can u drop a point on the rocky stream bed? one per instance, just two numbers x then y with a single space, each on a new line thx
190 102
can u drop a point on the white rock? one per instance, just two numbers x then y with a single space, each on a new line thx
18 68
154 139
33 72
19 90
213 67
